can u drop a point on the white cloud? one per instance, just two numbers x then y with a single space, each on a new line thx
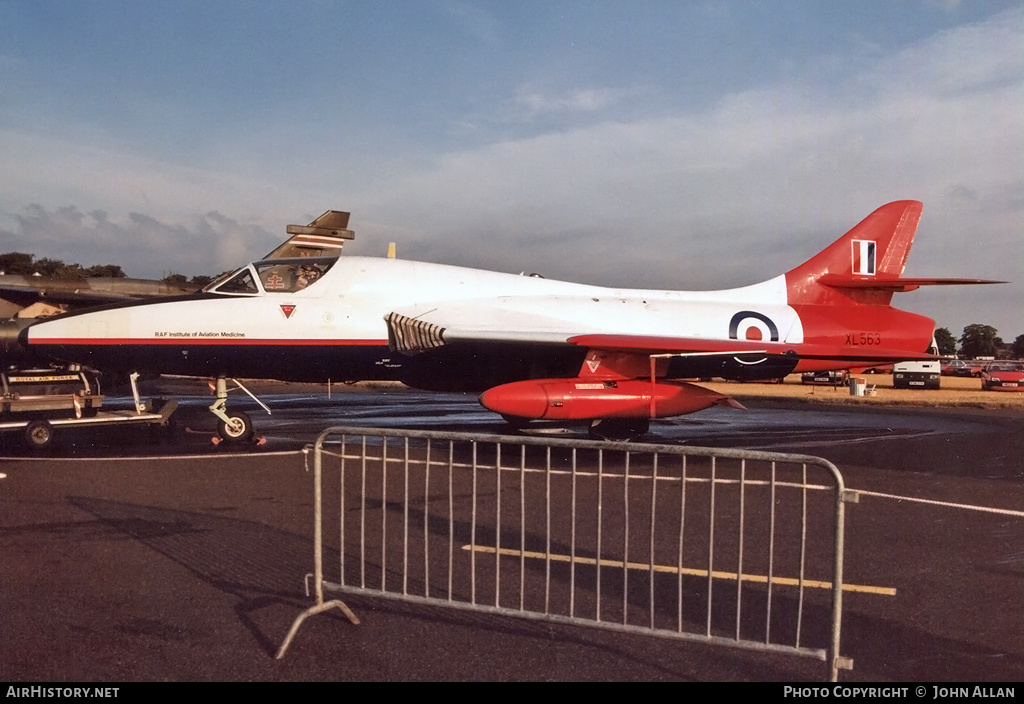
756 184
144 246
536 101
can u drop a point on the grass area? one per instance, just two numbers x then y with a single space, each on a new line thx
955 392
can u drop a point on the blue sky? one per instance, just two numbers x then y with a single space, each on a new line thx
647 144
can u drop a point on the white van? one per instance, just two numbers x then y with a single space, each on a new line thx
916 375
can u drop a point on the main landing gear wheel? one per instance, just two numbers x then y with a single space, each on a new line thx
238 428
38 434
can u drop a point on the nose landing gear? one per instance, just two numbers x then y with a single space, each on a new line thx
234 426
237 428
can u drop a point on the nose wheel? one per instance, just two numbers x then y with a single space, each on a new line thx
237 427
232 426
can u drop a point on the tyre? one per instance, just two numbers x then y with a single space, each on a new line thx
38 434
239 429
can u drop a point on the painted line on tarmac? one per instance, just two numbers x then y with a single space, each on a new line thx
848 441
933 502
690 572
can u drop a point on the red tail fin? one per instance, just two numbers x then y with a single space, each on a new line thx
876 248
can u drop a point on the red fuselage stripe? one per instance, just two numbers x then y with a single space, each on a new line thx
178 341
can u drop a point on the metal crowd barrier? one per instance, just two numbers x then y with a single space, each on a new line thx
726 547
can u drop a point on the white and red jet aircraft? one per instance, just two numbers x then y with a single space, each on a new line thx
536 348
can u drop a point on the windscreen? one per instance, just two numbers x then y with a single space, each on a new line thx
241 282
291 275
274 276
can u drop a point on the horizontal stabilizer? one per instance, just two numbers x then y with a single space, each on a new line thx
896 284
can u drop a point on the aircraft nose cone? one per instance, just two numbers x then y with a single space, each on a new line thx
523 399
13 349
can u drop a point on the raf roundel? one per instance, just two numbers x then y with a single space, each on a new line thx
751 325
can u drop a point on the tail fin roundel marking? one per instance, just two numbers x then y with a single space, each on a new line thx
864 257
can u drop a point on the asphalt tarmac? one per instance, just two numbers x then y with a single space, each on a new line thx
127 555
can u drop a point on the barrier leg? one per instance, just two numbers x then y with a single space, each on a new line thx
311 611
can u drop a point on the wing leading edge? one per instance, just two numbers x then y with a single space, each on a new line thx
727 349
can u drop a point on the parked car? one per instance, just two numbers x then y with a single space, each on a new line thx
955 367
962 367
832 378
1003 376
916 375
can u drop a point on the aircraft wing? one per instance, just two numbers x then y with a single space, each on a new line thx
414 331
91 291
636 356
683 346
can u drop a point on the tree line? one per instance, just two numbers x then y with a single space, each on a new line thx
976 341
25 264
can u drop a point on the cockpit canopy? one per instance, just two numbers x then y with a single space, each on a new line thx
307 255
287 275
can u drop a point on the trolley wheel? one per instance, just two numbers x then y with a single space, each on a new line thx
239 429
38 434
